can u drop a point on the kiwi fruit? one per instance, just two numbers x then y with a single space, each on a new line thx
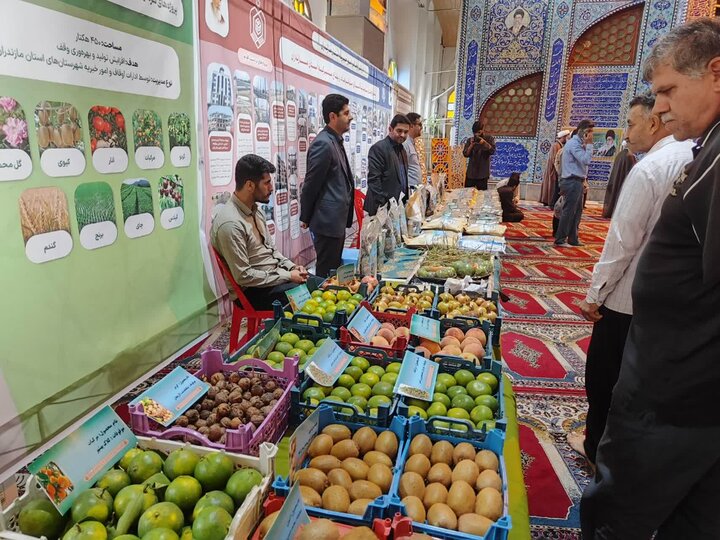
362 489
360 533
338 432
373 457
474 524
414 508
310 497
313 478
380 475
441 515
345 449
336 499
320 445
325 463
442 452
418 536
356 468
467 471
485 459
365 438
319 529
387 443
434 493
358 506
463 451
421 444
461 498
489 503
440 472
488 478
418 463
340 477
266 523
411 483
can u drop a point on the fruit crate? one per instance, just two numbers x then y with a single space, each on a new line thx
301 410
244 520
295 325
247 438
494 441
407 289
452 364
378 509
382 528
397 317
464 323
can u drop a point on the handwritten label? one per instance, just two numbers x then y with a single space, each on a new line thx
297 297
364 326
171 396
59 162
345 273
14 165
417 377
425 327
139 225
172 218
292 517
149 157
78 461
266 343
48 246
328 363
180 156
97 235
110 160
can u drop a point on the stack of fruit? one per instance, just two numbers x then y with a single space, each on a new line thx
290 345
450 305
319 529
469 345
324 304
184 496
451 486
403 297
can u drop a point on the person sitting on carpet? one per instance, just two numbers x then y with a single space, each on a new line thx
510 212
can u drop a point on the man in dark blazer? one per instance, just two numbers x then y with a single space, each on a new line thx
387 167
326 201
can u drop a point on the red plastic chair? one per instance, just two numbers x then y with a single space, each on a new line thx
244 311
359 202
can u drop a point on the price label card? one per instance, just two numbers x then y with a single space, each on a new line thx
266 343
425 327
417 377
292 517
345 274
297 297
301 439
171 396
328 363
364 326
78 461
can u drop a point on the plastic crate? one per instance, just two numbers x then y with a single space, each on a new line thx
341 318
247 438
377 357
376 509
451 364
397 317
494 441
244 520
464 323
407 289
294 325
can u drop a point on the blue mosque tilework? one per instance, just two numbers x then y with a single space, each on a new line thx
504 45
588 14
510 157
598 96
470 77
553 84
660 16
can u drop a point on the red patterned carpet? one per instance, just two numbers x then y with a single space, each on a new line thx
544 341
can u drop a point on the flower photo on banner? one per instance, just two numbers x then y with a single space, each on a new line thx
13 126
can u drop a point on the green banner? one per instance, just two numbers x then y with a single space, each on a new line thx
102 274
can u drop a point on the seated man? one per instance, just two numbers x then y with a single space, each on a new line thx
510 211
240 235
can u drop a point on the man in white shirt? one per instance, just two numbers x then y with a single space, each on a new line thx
414 171
608 303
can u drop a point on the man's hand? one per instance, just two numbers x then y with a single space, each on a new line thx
588 137
298 277
303 271
591 312
303 225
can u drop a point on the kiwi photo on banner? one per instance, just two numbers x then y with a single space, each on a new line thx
102 274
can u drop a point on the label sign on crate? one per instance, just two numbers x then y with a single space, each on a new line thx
266 343
425 327
328 363
364 325
171 396
345 274
301 439
417 377
78 461
292 516
297 297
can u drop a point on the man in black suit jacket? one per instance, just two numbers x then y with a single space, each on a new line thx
387 167
326 201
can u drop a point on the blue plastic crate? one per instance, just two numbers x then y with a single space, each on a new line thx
494 441
378 509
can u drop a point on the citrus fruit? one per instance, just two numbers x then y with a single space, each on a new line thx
297 352
164 515
377 370
180 462
446 379
382 389
184 491
373 411
361 389
345 381
214 470
241 483
127 494
143 466
40 518
360 362
325 389
417 411
377 401
313 393
341 392
211 524
161 533
312 303
481 413
370 379
186 533
440 387
87 530
441 398
333 399
393 367
354 371
114 480
276 357
312 351
127 458
463 401
358 297
358 401
487 424
478 388
455 390
489 379
344 295
463 376
488 401
214 498
328 316
95 504
290 338
390 378
320 342
287 315
283 347
418 403
126 537
437 409
317 293
457 412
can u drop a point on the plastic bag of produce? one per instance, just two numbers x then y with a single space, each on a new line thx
369 234
445 223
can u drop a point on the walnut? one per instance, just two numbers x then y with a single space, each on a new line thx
273 402
231 387
212 392
252 411
257 419
266 410
223 439
223 410
267 397
212 419
182 421
217 377
270 386
192 415
215 433
198 406
235 396
256 380
200 423
221 385
204 430
245 404
257 402
247 395
245 384
204 415
236 411
222 397
225 422
234 377
257 390
278 393
235 423
208 404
